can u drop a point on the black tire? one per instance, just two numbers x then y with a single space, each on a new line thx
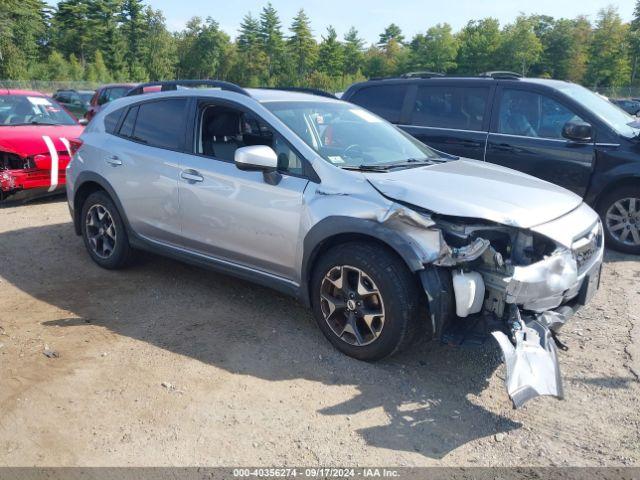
121 252
613 237
403 303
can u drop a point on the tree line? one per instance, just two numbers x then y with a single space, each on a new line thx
117 40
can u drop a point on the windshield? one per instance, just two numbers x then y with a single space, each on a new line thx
28 110
348 136
606 111
86 97
117 92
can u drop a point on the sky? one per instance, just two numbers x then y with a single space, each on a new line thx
370 17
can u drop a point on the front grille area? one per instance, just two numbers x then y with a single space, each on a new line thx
587 247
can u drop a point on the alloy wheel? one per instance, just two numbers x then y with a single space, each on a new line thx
623 221
352 305
101 231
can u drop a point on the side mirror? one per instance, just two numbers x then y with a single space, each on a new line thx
83 121
256 157
577 131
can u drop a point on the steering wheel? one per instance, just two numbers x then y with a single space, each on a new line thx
352 150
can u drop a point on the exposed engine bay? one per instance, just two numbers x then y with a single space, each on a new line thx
517 285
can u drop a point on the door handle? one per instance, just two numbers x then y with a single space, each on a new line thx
113 160
191 176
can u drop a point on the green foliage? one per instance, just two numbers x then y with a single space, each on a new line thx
520 47
331 55
435 51
608 63
479 42
108 40
272 41
301 46
391 34
353 54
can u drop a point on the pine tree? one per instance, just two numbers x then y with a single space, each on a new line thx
353 55
250 66
133 30
272 40
331 54
249 33
301 45
392 33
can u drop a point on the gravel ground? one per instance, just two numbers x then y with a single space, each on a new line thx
168 364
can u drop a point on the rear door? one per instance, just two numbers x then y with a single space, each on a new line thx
143 163
526 135
452 118
388 100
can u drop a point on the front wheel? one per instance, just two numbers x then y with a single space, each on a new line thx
620 213
366 301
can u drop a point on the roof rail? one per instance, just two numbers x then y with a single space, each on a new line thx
311 91
500 74
169 85
424 74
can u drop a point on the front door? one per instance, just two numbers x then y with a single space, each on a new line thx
526 135
240 216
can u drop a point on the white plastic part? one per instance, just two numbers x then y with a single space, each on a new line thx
468 288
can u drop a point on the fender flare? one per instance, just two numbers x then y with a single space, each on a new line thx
606 182
86 177
333 226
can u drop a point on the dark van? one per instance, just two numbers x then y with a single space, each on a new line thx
551 129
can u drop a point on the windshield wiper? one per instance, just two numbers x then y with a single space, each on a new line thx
35 122
369 168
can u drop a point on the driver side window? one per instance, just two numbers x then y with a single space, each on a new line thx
532 115
222 130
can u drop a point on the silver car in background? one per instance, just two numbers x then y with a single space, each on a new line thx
384 238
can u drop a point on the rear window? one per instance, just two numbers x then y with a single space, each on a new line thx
383 100
161 123
460 108
126 130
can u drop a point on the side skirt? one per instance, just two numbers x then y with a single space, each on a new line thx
211 263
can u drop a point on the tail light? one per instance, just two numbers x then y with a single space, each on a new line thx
74 145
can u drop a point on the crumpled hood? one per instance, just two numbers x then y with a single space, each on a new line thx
470 188
28 140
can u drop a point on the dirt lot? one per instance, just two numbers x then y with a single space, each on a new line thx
168 364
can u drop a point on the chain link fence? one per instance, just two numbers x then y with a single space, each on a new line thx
619 92
49 87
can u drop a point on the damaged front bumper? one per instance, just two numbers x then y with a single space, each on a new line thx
524 308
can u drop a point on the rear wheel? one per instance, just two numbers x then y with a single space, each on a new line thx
620 213
366 301
103 231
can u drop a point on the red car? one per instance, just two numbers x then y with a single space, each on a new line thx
37 138
106 94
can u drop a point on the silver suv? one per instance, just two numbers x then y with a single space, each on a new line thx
383 237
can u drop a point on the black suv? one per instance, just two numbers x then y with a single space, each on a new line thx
552 129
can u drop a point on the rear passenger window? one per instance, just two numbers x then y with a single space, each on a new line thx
126 130
161 123
111 121
383 100
460 108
